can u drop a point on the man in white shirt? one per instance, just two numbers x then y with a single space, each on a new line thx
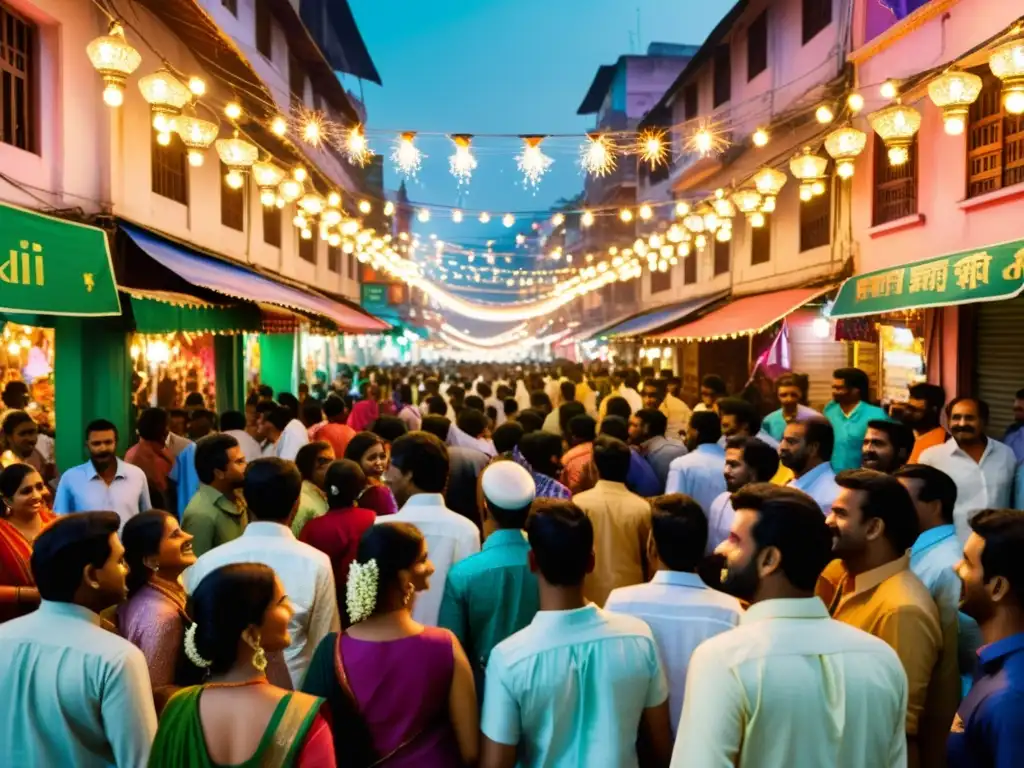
418 475
272 489
790 687
624 385
233 423
806 450
982 468
747 460
678 413
282 434
698 474
681 610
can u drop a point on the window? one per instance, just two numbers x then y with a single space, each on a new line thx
17 80
307 249
296 81
232 203
895 185
761 242
995 143
816 220
690 268
722 256
723 76
690 101
351 266
817 14
272 225
757 46
334 258
264 29
231 5
170 169
660 281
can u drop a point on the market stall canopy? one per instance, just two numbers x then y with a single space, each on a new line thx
240 282
54 267
653 320
591 331
166 312
990 274
743 317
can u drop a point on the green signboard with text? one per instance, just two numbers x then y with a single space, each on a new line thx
50 266
987 274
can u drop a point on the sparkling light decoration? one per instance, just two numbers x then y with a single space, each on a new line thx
166 96
596 155
706 140
333 199
197 136
645 212
954 92
357 149
587 219
558 220
651 147
844 145
290 190
461 164
626 215
406 155
760 138
682 208
508 220
279 126
897 125
115 60
724 208
232 110
312 203
747 200
1007 63
314 129
888 90
824 114
197 85
299 173
532 162
694 222
855 102
331 217
701 241
365 207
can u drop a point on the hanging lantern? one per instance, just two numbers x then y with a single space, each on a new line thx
808 168
267 177
197 135
897 125
711 220
236 152
844 145
115 60
166 96
290 190
769 182
694 222
1007 63
747 200
757 219
954 92
724 208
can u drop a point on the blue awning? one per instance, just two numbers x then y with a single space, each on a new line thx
653 319
239 282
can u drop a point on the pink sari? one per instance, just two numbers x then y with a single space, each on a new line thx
364 413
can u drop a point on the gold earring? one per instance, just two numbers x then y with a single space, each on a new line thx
408 595
259 658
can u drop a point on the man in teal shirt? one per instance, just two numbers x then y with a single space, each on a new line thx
492 594
849 414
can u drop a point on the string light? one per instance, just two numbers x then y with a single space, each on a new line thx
626 215
356 147
279 126
587 219
407 156
457 217
824 114
300 174
461 164
760 138
652 149
508 220
484 218
888 90
313 129
389 208
232 110
423 215
365 207
234 179
682 208
558 220
596 155
163 138
532 162
706 140
645 212
197 85
855 102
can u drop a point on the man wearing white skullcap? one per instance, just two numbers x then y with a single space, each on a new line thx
493 594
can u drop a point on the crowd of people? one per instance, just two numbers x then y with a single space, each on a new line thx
503 567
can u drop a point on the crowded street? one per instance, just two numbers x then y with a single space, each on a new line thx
512 385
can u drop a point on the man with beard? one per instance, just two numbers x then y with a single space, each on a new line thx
887 446
678 413
806 449
217 513
104 482
870 586
698 474
982 468
921 413
747 460
989 726
1015 432
790 687
791 391
739 418
849 414
647 432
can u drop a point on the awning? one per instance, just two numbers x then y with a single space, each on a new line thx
744 316
584 333
653 320
54 267
155 312
990 274
239 282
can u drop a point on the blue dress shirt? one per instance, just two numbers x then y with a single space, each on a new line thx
988 731
81 489
185 477
819 484
775 422
641 479
849 429
1015 439
699 474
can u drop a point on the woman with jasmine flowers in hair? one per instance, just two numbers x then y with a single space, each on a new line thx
401 694
236 717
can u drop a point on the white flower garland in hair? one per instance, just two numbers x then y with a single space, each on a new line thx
361 590
190 648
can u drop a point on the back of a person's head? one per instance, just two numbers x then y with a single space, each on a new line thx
62 550
742 412
271 488
212 454
278 416
562 541
582 428
426 457
223 606
539 399
334 407
265 391
790 521
436 405
393 547
707 426
618 406
539 447
680 530
290 402
195 400
474 402
152 424
507 436
343 483
1003 532
312 412
714 383
886 498
655 420
936 485
389 428
615 426
436 425
568 391
819 431
231 421
568 411
611 457
530 419
471 421
510 407
307 455
484 389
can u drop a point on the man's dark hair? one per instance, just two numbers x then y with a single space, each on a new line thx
611 457
1003 532
312 413
509 406
100 425
390 428
655 421
933 395
334 407
680 530
791 521
14 394
707 426
436 405
265 390
715 383
567 412
541 449
63 549
568 391
1019 395
615 426
152 424
562 539
507 436
854 378
762 459
266 407
14 420
819 431
195 400
436 425
530 420
211 454
278 416
582 428
232 420
742 411
900 435
539 399
981 404
306 458
618 406
792 380
484 390
456 394
889 501
272 486
204 413
179 413
471 421
475 402
426 457
290 402
936 485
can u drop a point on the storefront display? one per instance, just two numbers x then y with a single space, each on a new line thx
170 367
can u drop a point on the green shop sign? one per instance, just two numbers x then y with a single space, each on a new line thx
54 267
990 274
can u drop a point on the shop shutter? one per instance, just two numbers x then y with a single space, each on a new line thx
1000 365
815 357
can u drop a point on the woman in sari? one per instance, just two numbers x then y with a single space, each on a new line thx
401 694
156 551
366 411
369 451
237 718
23 514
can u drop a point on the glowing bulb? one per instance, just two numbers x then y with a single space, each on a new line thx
652 149
232 110
508 220
333 199
461 164
818 188
457 217
768 206
596 155
279 202
888 90
683 250
682 208
626 215
334 239
587 219
701 240
760 138
558 220
645 212
844 169
113 95
163 123
806 192
163 138
423 215
313 130
1013 101
655 241
268 198
279 126
757 219
484 217
824 114
365 207
821 328
299 221
234 179
855 102
195 158
307 234
703 141
898 155
406 156
197 85
389 208
300 174
356 147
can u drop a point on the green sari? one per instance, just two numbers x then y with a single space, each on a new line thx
180 742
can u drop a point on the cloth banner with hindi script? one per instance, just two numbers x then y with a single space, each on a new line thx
50 266
986 274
